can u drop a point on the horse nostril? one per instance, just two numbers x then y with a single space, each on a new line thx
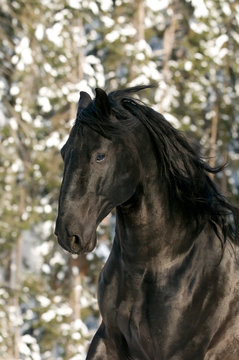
75 243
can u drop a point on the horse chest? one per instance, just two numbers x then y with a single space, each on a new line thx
122 305
121 302
129 316
132 323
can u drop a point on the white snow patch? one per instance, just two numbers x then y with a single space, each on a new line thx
105 5
48 316
57 299
193 127
108 22
39 32
88 69
46 269
26 116
226 9
28 339
63 59
100 80
102 251
198 56
198 27
80 326
221 40
48 68
186 120
235 36
129 49
74 4
13 123
128 31
54 34
188 66
112 36
216 50
45 104
44 248
24 349
142 45
47 209
83 86
14 90
65 89
173 120
46 92
46 228
92 59
28 346
93 7
76 336
80 356
157 5
25 52
57 259
53 139
15 59
64 310
200 9
73 97
140 56
139 80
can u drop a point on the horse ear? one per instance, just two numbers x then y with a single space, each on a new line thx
84 101
102 101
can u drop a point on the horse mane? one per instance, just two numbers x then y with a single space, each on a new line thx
184 173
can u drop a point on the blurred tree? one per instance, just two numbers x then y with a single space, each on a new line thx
205 73
49 51
37 118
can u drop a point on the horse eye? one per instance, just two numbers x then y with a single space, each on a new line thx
100 157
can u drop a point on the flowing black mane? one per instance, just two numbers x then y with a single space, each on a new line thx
185 175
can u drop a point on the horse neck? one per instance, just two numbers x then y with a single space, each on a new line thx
147 235
145 228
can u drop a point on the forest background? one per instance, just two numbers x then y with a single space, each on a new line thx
50 50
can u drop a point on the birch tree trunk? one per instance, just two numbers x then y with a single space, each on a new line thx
213 139
168 45
16 278
78 60
139 20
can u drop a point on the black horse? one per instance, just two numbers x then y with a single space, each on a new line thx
169 289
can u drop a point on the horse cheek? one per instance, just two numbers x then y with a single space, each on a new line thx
124 186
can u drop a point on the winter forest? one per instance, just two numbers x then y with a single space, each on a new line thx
50 50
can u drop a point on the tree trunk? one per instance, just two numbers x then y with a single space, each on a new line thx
79 269
168 45
16 292
139 20
78 60
213 139
15 279
224 176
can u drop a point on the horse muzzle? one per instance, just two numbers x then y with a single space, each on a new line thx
73 242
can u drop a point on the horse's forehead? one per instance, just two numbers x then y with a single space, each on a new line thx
85 138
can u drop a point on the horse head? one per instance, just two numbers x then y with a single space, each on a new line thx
99 174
